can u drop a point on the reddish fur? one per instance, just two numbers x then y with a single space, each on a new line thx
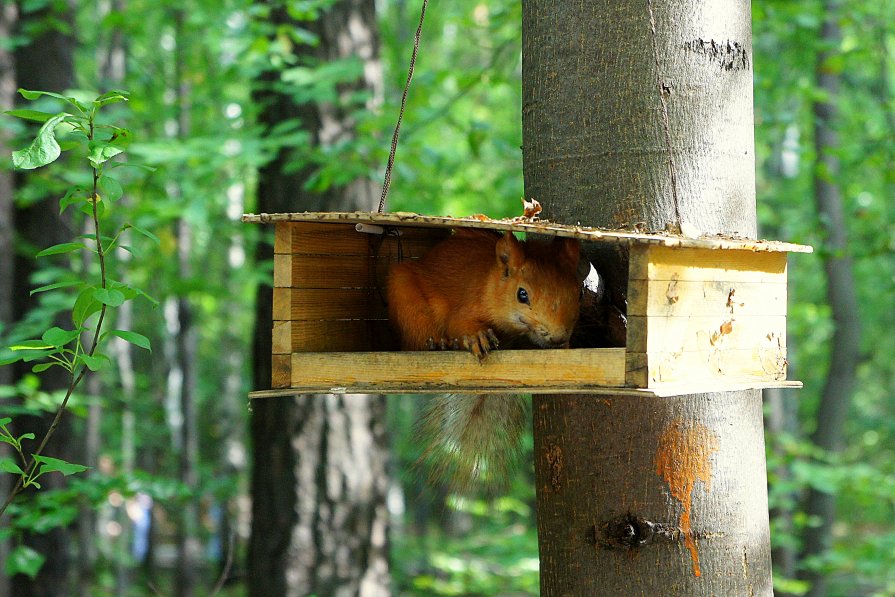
459 290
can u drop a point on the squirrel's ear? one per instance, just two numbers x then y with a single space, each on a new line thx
509 253
568 251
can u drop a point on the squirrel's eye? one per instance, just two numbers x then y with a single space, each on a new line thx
522 295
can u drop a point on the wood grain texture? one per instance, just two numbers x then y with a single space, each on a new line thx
456 371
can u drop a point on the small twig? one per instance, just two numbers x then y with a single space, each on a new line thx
228 563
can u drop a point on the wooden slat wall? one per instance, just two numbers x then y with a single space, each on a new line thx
700 316
329 285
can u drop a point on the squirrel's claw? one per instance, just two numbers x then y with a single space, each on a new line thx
481 343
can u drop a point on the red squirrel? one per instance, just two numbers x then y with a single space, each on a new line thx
478 289
475 291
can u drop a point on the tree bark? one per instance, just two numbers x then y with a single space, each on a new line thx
45 63
839 384
640 115
319 519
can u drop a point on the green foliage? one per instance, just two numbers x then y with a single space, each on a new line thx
191 114
71 349
786 41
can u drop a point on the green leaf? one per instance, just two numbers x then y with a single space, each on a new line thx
35 115
54 465
55 285
132 337
8 465
147 234
31 345
24 560
110 297
41 367
33 95
112 97
62 248
43 150
72 196
85 306
5 421
58 337
95 362
102 151
111 188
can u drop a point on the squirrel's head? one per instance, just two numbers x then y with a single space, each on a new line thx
539 289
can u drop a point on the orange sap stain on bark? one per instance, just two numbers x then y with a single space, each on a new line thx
682 458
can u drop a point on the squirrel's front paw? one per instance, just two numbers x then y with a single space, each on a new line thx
481 343
442 344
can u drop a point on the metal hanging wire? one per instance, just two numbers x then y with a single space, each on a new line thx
391 155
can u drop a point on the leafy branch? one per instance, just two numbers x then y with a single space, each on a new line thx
59 347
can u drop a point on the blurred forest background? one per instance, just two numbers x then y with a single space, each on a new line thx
166 432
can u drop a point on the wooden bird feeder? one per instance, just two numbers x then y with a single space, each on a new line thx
705 314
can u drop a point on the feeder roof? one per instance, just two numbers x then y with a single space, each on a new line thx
535 226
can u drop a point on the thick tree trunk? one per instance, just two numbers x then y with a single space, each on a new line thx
641 115
46 63
319 520
839 385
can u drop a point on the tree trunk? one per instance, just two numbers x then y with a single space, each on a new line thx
640 115
183 379
46 63
8 18
839 384
319 519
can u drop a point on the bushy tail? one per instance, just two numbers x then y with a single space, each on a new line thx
469 438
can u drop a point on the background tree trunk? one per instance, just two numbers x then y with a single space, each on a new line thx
8 17
839 385
319 519
47 63
641 115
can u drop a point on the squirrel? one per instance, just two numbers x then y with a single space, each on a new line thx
479 290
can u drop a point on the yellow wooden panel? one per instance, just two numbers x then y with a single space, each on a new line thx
282 304
708 368
683 263
678 334
282 337
342 303
342 335
282 270
333 271
454 371
283 237
329 239
281 370
676 298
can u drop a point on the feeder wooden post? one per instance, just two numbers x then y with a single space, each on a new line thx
641 115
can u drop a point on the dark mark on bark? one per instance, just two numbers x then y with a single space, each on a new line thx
730 55
630 532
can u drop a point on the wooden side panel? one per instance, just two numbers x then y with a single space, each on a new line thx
329 282
667 263
343 335
705 317
456 371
